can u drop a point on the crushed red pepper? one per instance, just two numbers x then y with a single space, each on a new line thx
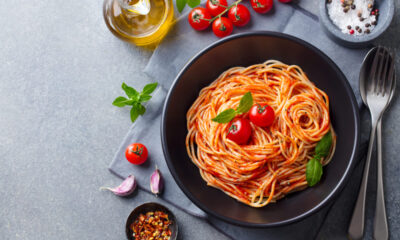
152 226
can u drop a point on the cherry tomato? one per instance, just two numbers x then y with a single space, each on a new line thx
222 27
136 153
239 15
216 6
239 131
285 1
197 18
261 6
262 115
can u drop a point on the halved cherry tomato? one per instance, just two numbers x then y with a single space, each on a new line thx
239 15
262 6
197 18
262 115
216 6
222 27
239 131
136 153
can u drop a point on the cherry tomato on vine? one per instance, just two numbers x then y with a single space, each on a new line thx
285 1
136 153
222 27
262 115
239 15
197 18
261 6
239 131
216 6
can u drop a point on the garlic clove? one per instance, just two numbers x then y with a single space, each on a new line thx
126 188
156 182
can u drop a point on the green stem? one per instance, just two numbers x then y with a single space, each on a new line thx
222 13
218 4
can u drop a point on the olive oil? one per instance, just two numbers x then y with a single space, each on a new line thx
142 22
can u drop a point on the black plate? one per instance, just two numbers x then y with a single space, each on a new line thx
244 50
151 207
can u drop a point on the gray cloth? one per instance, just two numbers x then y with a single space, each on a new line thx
168 59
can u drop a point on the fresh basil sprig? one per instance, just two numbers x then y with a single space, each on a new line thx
314 166
135 99
246 102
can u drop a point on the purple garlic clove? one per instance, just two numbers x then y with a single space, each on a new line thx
156 182
126 188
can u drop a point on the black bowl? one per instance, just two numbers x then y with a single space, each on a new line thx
151 207
386 13
244 50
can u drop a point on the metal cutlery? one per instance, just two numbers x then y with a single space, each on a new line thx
376 90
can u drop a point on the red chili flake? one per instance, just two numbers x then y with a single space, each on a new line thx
351 31
152 225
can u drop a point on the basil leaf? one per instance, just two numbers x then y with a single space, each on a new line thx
324 145
141 109
130 101
180 4
225 116
149 88
130 91
313 171
134 112
246 102
144 98
120 101
193 3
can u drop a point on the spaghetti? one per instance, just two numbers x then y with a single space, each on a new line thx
273 162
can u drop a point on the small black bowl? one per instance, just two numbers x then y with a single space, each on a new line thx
244 50
386 12
151 207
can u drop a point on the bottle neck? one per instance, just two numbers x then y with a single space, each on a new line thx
136 7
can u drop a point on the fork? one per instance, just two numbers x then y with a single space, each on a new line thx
381 230
377 89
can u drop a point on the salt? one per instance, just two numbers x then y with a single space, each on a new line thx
357 15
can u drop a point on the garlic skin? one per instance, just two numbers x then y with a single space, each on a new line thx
156 182
126 188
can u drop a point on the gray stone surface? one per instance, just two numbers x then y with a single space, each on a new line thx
60 70
311 6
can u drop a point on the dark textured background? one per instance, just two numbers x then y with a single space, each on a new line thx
60 70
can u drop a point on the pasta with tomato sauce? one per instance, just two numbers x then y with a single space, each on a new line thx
273 162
